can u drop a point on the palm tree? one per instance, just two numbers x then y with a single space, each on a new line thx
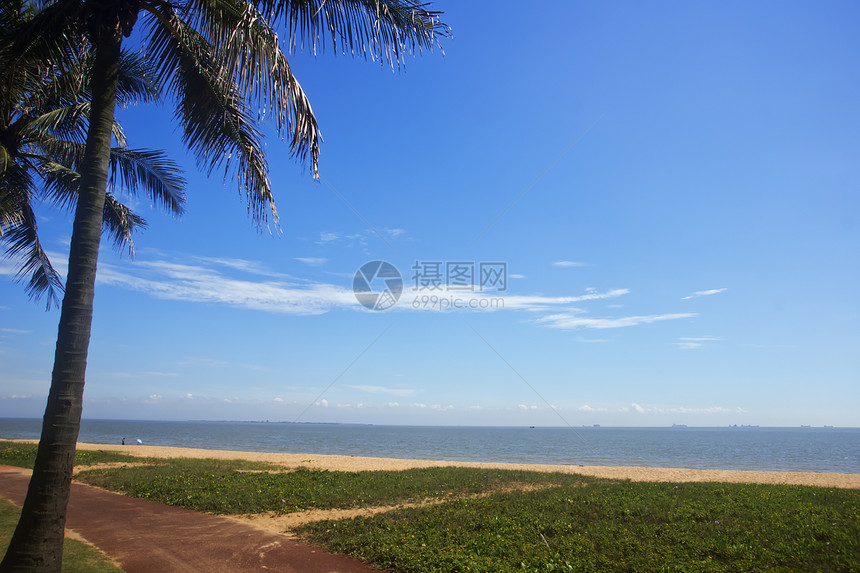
223 65
42 129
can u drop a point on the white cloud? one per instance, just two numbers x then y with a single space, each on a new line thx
516 276
526 407
197 283
587 408
704 293
227 282
568 264
394 232
691 343
277 399
441 407
383 390
394 404
682 409
574 319
15 331
540 302
243 265
323 403
312 261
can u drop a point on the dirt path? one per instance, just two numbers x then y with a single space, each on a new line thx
145 537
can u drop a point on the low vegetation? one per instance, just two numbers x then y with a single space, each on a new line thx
228 487
77 557
23 455
500 521
613 526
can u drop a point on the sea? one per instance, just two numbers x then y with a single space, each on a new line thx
806 449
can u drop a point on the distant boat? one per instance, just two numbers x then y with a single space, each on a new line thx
679 425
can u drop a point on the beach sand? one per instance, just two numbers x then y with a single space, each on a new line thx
350 463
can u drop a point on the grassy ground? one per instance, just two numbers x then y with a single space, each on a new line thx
494 520
77 557
23 455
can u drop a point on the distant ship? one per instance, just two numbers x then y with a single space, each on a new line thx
679 425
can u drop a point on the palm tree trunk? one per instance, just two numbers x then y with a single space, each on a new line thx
37 544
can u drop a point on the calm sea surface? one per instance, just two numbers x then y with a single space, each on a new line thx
786 449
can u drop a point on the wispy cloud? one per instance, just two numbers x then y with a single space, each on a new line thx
242 265
383 390
699 293
202 283
574 319
312 261
568 264
691 343
254 286
684 409
15 331
587 408
540 302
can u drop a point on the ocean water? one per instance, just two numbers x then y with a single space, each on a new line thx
748 448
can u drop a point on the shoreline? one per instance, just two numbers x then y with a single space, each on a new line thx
355 463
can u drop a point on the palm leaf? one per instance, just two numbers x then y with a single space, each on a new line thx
20 233
160 177
252 56
216 124
120 222
381 30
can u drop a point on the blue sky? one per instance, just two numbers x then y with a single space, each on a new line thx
672 188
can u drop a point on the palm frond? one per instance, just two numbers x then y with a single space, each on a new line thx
137 82
22 241
60 185
153 171
67 123
380 30
119 222
252 56
215 121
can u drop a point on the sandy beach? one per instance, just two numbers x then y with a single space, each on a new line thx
350 463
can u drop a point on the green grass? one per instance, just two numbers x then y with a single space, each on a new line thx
614 526
562 522
77 557
226 486
23 455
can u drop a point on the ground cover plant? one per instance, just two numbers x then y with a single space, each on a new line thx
613 526
77 557
498 520
229 487
23 455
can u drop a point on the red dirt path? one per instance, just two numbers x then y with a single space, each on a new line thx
144 536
